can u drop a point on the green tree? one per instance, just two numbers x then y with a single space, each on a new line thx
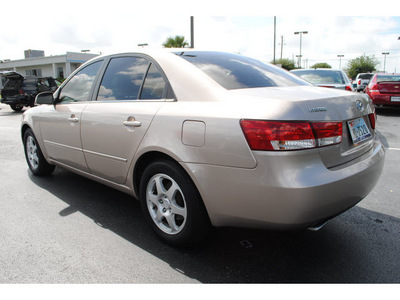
175 42
362 64
321 65
286 63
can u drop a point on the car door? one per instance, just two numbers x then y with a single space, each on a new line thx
60 123
130 93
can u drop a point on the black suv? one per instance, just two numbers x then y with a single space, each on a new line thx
20 91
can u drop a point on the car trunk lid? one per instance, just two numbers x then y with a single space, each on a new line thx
313 104
386 87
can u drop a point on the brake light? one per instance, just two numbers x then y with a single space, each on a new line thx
373 85
359 81
275 135
21 91
349 88
372 119
374 88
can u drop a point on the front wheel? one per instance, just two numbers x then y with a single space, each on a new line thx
34 156
172 204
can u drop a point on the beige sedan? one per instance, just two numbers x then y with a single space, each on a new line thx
207 139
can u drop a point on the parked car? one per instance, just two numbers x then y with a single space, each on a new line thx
325 78
208 139
384 89
20 91
362 81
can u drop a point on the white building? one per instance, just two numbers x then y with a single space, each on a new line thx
55 66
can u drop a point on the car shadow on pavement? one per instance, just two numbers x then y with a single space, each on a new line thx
344 251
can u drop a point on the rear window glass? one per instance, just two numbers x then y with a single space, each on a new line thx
390 78
234 71
321 76
365 76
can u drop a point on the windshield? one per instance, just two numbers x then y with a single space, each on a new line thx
234 71
391 78
321 76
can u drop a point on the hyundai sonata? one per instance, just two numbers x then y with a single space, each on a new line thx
208 139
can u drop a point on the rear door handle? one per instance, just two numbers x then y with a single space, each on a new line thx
132 123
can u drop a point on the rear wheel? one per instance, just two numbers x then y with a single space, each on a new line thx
172 204
16 107
34 156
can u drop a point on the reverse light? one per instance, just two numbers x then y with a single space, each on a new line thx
276 135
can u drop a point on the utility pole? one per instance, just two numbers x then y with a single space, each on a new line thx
191 32
281 46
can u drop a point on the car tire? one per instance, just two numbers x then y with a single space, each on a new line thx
34 156
16 107
172 204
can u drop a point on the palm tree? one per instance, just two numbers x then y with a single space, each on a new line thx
176 42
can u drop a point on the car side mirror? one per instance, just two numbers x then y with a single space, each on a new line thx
45 98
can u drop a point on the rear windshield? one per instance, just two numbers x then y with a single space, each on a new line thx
321 76
391 78
234 71
365 76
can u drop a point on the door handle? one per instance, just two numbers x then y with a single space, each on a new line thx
132 123
73 120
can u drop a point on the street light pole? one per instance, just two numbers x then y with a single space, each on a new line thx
340 60
191 32
384 62
301 35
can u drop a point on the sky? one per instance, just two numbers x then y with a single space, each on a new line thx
119 26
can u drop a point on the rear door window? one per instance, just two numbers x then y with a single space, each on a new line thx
154 84
123 78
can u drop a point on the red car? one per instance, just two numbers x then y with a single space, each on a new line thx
384 89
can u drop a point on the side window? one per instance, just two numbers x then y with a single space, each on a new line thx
153 87
79 87
123 78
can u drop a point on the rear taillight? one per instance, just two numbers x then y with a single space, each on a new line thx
349 88
275 135
21 92
373 85
372 119
374 88
359 81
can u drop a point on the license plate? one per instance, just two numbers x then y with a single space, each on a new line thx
359 130
395 99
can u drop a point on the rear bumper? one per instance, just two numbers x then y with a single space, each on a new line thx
285 191
17 100
382 99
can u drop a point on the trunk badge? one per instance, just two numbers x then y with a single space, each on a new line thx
317 109
359 105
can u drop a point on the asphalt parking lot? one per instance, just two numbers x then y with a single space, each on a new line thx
67 229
